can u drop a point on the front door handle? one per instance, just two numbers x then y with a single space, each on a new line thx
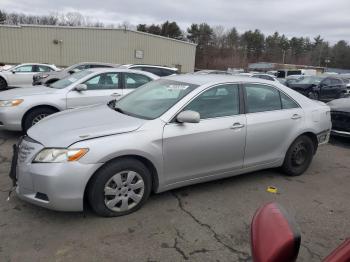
116 95
237 126
296 116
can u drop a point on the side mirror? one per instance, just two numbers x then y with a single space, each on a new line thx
274 235
13 71
188 116
80 87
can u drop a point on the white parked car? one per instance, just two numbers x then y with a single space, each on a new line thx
22 75
22 108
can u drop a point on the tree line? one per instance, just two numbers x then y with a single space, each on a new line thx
218 47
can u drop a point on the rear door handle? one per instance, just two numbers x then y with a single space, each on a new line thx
237 126
296 116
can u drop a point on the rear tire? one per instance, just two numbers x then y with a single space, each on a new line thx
3 84
34 116
299 156
119 188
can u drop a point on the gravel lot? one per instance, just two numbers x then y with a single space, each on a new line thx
206 222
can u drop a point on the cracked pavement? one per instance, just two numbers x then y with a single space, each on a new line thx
205 222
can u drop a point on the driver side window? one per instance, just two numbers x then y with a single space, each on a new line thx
218 101
103 81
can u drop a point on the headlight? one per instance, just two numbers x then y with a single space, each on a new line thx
8 103
58 155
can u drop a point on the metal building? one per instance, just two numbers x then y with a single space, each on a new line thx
64 46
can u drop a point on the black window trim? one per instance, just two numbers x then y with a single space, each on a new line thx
279 92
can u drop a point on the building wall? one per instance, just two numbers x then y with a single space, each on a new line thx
20 44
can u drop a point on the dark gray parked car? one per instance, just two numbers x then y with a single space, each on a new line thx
47 78
340 113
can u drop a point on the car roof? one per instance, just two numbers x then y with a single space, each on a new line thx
107 70
41 64
214 79
155 66
97 63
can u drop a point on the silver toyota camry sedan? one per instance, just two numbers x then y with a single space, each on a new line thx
22 108
172 132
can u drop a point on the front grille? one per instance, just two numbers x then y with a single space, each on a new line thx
340 121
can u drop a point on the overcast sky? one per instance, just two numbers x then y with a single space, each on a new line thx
329 18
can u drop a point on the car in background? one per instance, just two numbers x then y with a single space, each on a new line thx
265 76
330 88
346 80
290 79
24 107
4 66
307 85
261 76
340 114
213 72
154 69
47 78
22 75
172 132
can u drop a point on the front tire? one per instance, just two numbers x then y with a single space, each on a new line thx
299 156
3 84
34 116
119 188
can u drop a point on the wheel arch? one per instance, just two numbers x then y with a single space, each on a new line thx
3 77
310 135
36 107
313 138
148 163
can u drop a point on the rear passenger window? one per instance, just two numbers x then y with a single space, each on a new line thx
44 69
261 98
166 72
133 81
216 102
287 103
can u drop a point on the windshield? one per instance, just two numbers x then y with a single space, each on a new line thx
309 80
64 82
154 99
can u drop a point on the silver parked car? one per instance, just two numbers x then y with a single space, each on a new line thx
172 132
22 108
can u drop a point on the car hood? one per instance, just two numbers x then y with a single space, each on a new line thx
68 127
342 104
26 91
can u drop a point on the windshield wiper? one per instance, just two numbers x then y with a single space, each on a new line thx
118 109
